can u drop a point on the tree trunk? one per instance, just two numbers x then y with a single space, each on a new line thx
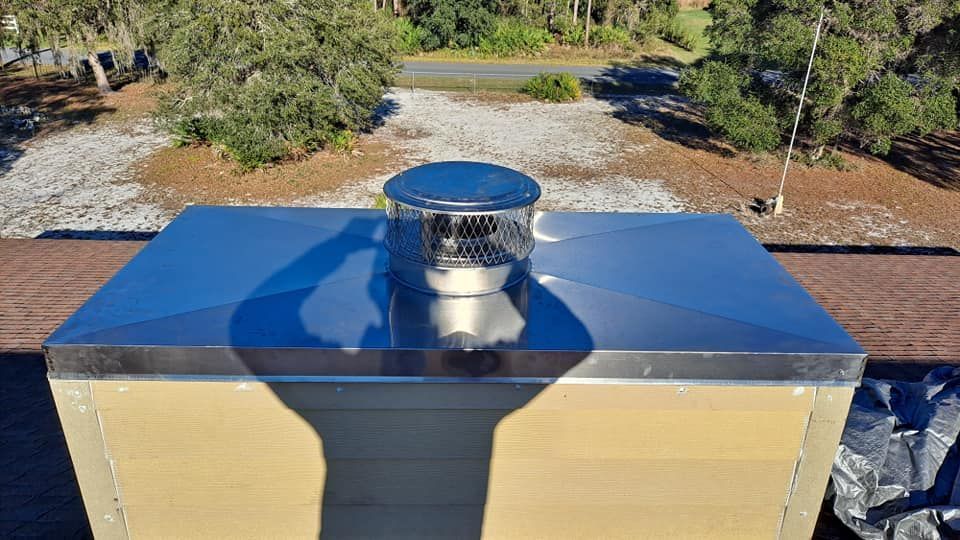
396 8
608 12
103 84
576 8
587 17
33 58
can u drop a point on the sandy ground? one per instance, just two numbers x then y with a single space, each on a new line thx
79 180
525 135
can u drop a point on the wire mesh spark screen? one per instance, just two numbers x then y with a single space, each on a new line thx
459 240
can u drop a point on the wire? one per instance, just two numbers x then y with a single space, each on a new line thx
803 94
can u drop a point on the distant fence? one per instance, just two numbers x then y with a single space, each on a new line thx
44 62
471 82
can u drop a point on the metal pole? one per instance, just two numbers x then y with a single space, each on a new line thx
796 122
413 82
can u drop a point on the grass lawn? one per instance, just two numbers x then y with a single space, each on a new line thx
695 21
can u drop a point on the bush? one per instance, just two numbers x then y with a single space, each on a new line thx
678 35
313 78
569 33
653 18
342 140
513 37
609 36
555 87
409 37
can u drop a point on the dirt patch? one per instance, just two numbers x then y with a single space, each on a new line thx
63 103
196 175
575 150
873 203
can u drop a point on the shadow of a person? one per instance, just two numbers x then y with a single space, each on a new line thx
422 382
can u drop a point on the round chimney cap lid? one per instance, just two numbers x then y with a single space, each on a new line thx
462 187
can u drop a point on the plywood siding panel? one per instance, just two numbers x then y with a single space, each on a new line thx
819 449
81 428
386 482
716 522
464 434
246 395
565 461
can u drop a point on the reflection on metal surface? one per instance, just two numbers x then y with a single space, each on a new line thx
492 321
458 281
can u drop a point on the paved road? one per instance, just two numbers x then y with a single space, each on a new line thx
634 75
652 76
8 54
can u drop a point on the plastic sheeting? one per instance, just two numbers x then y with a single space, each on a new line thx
896 472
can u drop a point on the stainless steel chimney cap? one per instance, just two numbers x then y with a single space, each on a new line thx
459 187
460 228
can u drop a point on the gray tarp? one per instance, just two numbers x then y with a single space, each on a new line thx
896 471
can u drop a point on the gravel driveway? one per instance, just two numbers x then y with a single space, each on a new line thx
78 180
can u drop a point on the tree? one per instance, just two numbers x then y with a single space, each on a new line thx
882 69
263 80
457 23
587 17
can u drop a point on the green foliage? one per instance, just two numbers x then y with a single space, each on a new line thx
714 82
380 201
555 87
513 37
452 23
609 36
741 118
410 37
342 140
885 109
829 160
680 36
882 69
569 33
267 79
746 123
645 20
893 106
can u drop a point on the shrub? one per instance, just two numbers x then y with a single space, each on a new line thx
678 35
409 36
569 33
609 36
342 140
652 18
555 87
513 37
312 78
